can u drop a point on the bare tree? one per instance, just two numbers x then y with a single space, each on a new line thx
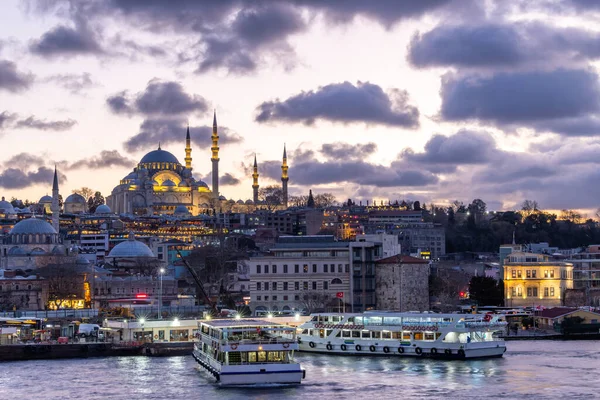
85 191
65 283
529 207
314 301
270 196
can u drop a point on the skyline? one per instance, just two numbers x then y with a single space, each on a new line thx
432 101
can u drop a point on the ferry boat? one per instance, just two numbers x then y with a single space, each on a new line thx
449 336
248 352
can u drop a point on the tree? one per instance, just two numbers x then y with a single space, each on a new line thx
86 192
270 196
314 301
94 202
486 291
297 201
65 283
417 205
324 200
529 207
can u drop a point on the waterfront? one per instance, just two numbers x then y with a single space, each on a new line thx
537 369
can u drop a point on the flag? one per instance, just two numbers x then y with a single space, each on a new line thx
339 295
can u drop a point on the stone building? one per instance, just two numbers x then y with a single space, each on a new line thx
402 284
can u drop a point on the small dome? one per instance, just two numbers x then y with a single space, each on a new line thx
38 252
81 260
249 202
223 198
6 207
32 225
202 184
181 210
132 175
169 182
183 184
240 201
76 198
103 209
231 201
130 248
46 199
25 210
159 156
16 251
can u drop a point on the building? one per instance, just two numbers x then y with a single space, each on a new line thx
586 274
402 284
532 280
75 204
302 273
22 291
363 256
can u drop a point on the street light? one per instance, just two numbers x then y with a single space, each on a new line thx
161 271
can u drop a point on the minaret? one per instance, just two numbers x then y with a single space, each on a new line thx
55 207
255 181
188 150
284 178
215 158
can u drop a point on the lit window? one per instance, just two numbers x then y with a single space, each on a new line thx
551 292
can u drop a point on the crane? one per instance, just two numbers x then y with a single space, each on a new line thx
199 283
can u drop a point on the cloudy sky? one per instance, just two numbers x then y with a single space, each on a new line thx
430 100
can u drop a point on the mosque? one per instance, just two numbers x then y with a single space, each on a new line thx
161 185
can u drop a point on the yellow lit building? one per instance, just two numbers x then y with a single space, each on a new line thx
534 280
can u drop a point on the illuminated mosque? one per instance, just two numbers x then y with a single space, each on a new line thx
161 185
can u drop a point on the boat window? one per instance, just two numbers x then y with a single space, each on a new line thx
386 335
396 335
252 356
305 331
346 333
437 335
392 321
418 335
355 334
359 321
327 332
275 356
405 335
429 336
262 356
376 335
351 320
339 334
366 335
373 320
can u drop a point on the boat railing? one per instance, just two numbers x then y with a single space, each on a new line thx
250 340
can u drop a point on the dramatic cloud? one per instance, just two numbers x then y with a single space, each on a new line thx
167 131
345 103
346 151
496 45
6 118
520 97
33 123
159 98
229 180
13 178
444 154
75 83
64 41
24 161
106 159
13 80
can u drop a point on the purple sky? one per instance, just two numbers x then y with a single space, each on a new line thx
431 100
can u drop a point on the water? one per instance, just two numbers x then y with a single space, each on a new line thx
529 369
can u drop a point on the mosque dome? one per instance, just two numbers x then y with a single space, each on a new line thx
159 156
181 210
32 226
6 207
249 202
222 197
46 199
76 198
231 201
130 248
103 209
16 251
202 184
240 201
169 182
38 252
81 260
183 184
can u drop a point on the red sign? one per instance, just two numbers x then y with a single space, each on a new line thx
339 295
141 296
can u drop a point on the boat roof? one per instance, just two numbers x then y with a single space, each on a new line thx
235 323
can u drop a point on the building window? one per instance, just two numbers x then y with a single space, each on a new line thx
258 269
305 268
274 268
529 292
274 286
325 267
513 292
258 298
257 285
325 285
347 267
546 291
551 273
545 273
297 297
305 285
340 268
266 298
534 273
296 268
266 269
285 286
552 292
519 291
514 273
274 298
519 275
535 292
314 268
296 285
285 269
528 273
314 286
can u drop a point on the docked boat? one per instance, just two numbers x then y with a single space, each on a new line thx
248 352
450 336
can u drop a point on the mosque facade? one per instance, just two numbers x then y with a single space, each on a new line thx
159 184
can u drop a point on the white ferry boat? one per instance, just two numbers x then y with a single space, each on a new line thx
248 351
450 336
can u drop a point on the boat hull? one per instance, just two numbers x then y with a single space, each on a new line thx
425 350
248 374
